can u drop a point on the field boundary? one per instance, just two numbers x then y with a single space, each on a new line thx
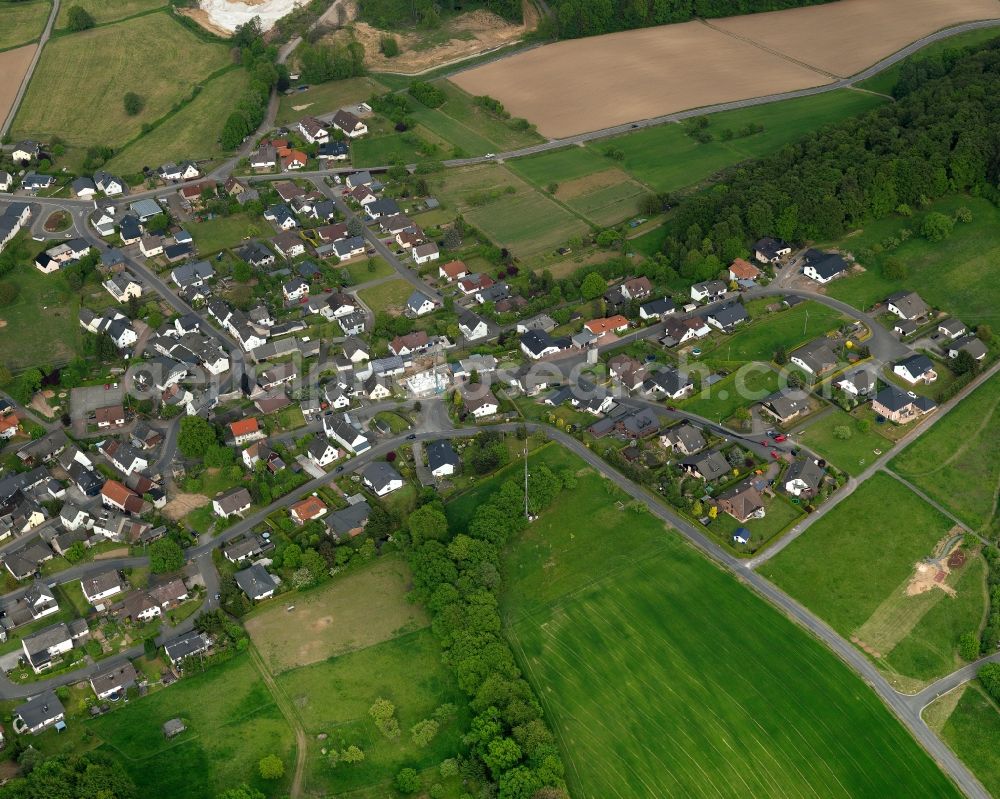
287 709
766 49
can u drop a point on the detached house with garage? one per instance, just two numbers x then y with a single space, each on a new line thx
824 266
916 369
900 406
313 131
708 291
234 502
419 304
349 124
381 478
770 251
907 305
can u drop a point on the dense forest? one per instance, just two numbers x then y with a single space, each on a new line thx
941 136
576 18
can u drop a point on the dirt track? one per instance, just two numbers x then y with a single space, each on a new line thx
13 65
588 84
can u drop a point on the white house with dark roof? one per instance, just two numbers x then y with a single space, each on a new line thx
917 368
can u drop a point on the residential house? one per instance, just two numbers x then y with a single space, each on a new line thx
970 344
900 406
245 548
442 460
381 478
626 371
295 290
13 217
472 327
123 287
234 502
282 217
192 275
26 150
129 229
349 124
907 305
600 327
83 187
743 272
264 157
424 253
452 271
381 208
419 304
474 282
708 291
817 357
770 251
145 209
243 431
289 244
538 344
916 369
952 328
334 151
111 682
353 324
411 343
102 585
40 601
348 248
34 182
824 266
43 647
103 221
350 521
480 402
743 502
312 507
111 185
342 429
256 582
186 646
355 350
6 180
681 331
116 495
313 130
635 289
684 438
786 404
39 713
376 389
859 382
804 477
669 383
728 316
322 452
709 466
109 416
123 456
656 309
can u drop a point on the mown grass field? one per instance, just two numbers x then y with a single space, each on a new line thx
104 11
948 274
366 608
225 231
955 462
852 567
973 733
664 677
324 98
667 159
557 166
21 23
853 454
44 302
388 297
334 696
760 338
78 86
521 218
741 389
605 198
193 132
232 723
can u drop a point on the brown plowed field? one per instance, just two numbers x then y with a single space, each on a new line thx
588 84
13 65
847 36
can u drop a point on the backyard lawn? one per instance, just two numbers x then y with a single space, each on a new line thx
75 76
955 462
389 297
21 23
597 592
852 454
232 722
666 158
741 389
760 338
213 235
781 513
948 275
358 271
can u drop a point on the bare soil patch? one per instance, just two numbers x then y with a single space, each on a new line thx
40 403
352 612
182 504
845 37
470 35
587 84
203 19
121 552
57 222
13 65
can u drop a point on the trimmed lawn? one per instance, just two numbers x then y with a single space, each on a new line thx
44 302
75 77
21 23
322 98
741 389
359 272
354 611
557 166
666 158
388 297
780 514
104 11
956 462
397 424
334 696
760 338
853 454
650 242
948 274
848 562
225 231
404 148
973 733
663 676
606 198
232 722
193 132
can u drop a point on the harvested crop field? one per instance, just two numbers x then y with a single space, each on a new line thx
844 38
589 84
13 65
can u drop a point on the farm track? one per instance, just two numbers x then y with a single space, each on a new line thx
288 711
31 69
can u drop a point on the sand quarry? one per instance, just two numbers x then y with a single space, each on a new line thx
588 84
225 15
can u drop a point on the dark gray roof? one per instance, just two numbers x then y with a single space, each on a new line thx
186 645
730 314
379 474
711 465
917 364
39 709
440 453
342 521
826 264
255 582
807 470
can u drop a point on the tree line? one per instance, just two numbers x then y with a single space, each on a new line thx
938 138
459 579
576 18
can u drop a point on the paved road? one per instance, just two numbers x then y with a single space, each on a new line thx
848 488
31 69
949 682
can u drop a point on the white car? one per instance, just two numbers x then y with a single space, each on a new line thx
490 155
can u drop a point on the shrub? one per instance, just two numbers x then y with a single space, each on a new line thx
79 19
427 93
133 103
389 46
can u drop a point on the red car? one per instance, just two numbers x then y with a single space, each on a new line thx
780 437
775 455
